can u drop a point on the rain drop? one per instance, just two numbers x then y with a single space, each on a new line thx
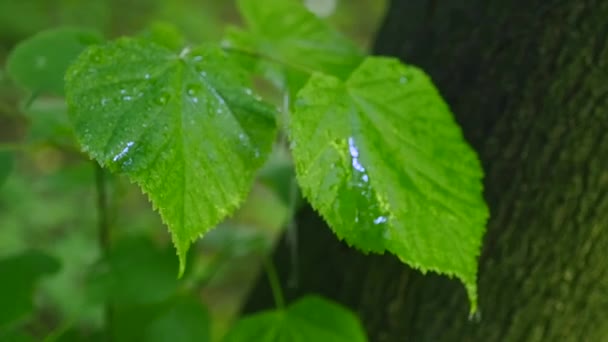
163 99
403 80
380 219
147 76
123 152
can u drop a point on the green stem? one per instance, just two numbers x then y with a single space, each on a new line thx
103 226
275 284
102 210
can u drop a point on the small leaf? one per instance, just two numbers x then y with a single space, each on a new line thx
382 159
311 318
287 32
185 127
19 276
40 62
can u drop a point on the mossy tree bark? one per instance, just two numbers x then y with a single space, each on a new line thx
528 82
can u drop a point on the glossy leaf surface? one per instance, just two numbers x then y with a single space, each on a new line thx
383 161
185 127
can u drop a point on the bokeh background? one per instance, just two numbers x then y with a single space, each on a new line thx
49 198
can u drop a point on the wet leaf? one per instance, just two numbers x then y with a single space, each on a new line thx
383 161
185 127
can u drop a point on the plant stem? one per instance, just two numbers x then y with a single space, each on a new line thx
102 210
275 284
103 226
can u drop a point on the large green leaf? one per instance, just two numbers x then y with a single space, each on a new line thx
382 159
40 62
185 127
294 40
309 319
19 275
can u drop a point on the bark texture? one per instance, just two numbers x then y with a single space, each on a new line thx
528 81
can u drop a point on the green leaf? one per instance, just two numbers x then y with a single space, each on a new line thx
383 161
185 127
40 62
182 318
311 318
6 165
48 122
19 275
296 41
164 34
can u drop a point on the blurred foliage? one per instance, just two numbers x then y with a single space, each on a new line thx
63 285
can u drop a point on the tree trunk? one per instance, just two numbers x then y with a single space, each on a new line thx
528 82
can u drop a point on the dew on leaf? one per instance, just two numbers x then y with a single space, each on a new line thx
380 219
163 98
147 76
123 152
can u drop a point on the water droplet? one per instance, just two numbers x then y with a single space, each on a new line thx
365 178
380 219
195 99
248 91
104 101
123 152
204 73
123 91
147 76
197 58
163 99
403 80
127 98
354 153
